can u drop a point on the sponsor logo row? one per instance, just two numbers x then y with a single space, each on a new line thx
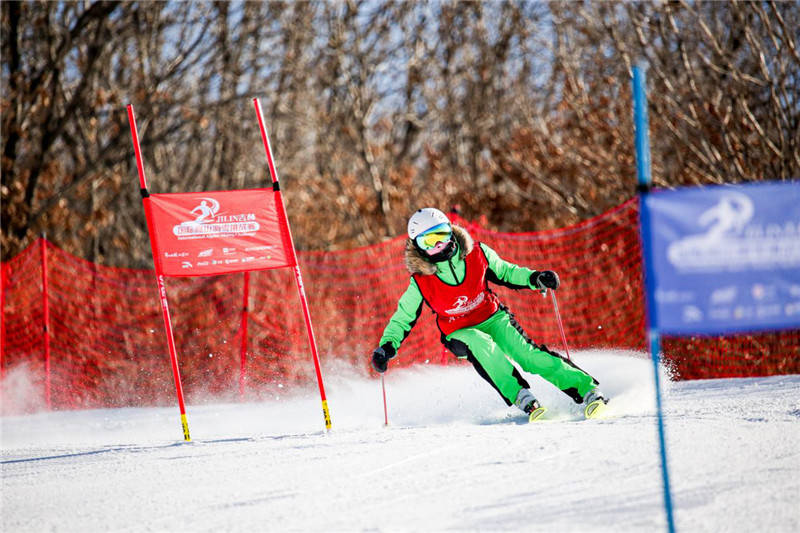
221 256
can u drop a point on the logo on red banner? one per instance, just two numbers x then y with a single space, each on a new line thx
208 224
209 233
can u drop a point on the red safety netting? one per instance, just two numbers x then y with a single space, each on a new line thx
107 345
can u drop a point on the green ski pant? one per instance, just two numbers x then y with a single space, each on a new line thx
488 346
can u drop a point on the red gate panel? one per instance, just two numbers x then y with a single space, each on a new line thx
209 233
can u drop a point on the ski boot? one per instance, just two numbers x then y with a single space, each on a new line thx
529 405
595 404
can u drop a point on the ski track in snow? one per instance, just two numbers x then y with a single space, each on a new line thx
454 457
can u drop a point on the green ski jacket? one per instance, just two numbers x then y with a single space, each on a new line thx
451 271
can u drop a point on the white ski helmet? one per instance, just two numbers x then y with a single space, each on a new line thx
425 219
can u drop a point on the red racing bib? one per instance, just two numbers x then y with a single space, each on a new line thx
463 305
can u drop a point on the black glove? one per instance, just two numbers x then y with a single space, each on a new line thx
546 279
381 356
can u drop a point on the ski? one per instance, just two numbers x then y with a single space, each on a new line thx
595 409
536 414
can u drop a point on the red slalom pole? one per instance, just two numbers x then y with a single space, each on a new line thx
46 320
243 347
560 325
296 267
162 288
385 410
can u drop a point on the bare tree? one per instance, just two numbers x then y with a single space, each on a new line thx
517 111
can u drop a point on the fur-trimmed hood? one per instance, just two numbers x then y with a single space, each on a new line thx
417 263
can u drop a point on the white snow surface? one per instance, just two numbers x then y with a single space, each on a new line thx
453 458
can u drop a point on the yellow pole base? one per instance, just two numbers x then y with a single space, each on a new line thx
185 425
326 413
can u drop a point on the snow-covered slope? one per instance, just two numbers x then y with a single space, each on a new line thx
453 458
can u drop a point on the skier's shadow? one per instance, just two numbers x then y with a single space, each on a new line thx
512 420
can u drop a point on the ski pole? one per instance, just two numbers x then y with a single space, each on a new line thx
560 325
385 411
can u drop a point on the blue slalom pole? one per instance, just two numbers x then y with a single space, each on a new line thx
654 341
644 181
641 128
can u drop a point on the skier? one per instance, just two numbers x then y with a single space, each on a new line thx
450 273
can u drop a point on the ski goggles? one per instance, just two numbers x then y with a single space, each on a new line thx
435 235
